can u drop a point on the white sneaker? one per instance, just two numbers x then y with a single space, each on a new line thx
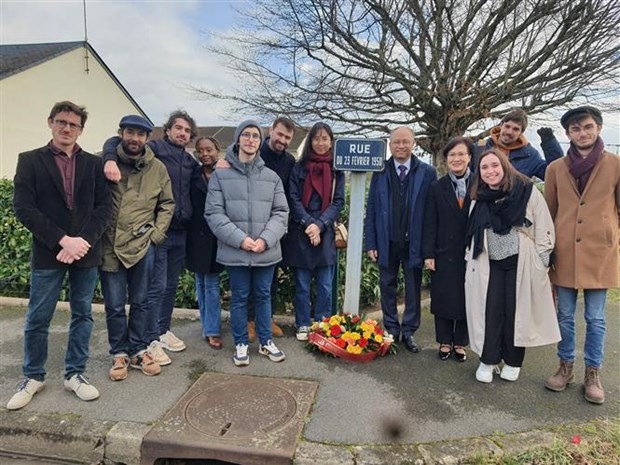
271 351
82 388
241 357
510 373
172 343
302 333
157 352
26 390
484 373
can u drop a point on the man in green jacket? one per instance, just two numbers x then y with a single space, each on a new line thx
143 206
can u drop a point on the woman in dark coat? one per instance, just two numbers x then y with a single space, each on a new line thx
316 199
202 247
444 248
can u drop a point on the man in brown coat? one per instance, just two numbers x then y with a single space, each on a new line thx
582 190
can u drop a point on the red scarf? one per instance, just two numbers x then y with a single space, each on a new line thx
319 179
580 167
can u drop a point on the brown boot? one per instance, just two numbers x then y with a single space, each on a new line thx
593 387
563 377
251 331
276 331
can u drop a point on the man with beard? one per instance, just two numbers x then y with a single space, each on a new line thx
582 191
509 138
142 210
170 254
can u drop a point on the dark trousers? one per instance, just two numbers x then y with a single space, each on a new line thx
449 331
500 315
388 279
169 262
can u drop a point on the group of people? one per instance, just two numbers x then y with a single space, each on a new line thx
488 226
145 209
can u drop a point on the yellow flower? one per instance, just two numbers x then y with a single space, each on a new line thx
378 338
335 320
354 349
366 326
367 334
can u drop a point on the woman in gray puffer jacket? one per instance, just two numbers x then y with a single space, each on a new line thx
247 211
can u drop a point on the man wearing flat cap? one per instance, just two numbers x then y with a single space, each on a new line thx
143 206
582 191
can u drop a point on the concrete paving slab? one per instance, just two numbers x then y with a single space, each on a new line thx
247 420
123 442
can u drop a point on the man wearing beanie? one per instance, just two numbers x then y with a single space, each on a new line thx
582 191
170 254
246 209
143 206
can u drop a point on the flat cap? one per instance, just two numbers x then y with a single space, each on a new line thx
136 121
581 112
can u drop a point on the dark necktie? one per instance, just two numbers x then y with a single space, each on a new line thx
402 172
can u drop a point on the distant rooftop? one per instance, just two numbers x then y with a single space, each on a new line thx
19 57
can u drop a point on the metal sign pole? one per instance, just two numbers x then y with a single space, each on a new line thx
354 246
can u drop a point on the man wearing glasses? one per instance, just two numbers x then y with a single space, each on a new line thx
61 196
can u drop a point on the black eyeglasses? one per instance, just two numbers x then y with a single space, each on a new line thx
61 123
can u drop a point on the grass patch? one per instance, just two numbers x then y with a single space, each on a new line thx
595 443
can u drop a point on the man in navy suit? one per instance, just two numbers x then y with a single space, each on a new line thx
62 198
393 231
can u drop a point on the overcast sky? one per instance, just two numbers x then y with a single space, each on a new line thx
157 49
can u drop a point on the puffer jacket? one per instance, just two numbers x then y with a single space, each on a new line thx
143 206
246 200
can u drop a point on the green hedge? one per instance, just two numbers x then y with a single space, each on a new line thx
15 267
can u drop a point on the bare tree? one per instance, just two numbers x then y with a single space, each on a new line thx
440 65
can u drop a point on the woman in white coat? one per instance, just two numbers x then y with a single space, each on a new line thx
510 237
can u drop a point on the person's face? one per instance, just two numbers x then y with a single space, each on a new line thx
206 152
458 159
401 144
280 138
133 140
321 143
66 127
509 132
491 171
180 133
249 141
584 133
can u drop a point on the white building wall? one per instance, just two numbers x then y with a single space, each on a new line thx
26 99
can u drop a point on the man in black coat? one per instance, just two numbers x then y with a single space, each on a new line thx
61 196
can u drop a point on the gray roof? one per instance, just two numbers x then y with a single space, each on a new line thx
15 58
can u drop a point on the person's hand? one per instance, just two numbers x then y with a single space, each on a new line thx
259 246
373 255
111 171
222 164
73 248
545 134
314 234
248 244
430 263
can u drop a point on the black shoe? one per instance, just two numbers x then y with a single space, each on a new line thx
410 344
460 356
445 350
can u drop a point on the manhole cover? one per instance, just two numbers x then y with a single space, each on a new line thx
240 419
240 409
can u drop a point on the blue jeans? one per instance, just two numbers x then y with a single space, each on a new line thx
45 287
244 281
595 325
323 277
209 304
169 262
127 337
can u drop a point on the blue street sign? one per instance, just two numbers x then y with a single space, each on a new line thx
359 154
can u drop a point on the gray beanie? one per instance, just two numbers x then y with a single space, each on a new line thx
246 124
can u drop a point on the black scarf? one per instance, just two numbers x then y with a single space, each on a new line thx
580 167
498 210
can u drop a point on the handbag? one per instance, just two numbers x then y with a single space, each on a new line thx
341 235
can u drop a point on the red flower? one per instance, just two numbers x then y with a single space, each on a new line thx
341 343
363 342
355 319
576 439
379 331
335 330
